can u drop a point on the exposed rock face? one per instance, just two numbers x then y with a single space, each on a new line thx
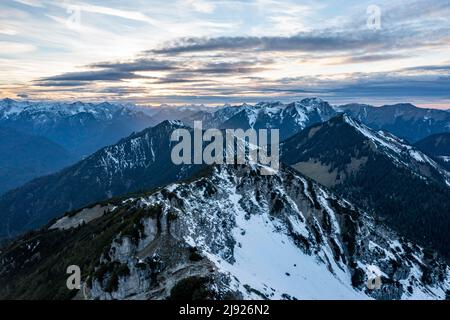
279 237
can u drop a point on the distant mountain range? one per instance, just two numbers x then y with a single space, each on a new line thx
288 118
378 172
81 128
403 120
167 112
229 233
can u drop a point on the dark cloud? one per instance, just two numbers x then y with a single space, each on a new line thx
403 32
231 68
400 84
96 75
424 82
306 42
141 64
55 83
372 58
168 80
109 71
22 95
179 72
406 88
211 70
443 68
120 90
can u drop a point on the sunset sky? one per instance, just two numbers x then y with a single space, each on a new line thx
225 51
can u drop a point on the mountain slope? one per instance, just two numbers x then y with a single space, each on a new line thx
378 172
438 147
436 144
24 157
141 161
230 233
81 128
404 120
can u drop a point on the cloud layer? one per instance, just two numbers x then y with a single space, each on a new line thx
226 51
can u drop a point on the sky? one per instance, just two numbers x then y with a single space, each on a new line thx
226 51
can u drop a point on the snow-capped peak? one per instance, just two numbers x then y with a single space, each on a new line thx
398 149
13 109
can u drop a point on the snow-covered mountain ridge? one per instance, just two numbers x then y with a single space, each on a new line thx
12 109
400 151
237 234
281 237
